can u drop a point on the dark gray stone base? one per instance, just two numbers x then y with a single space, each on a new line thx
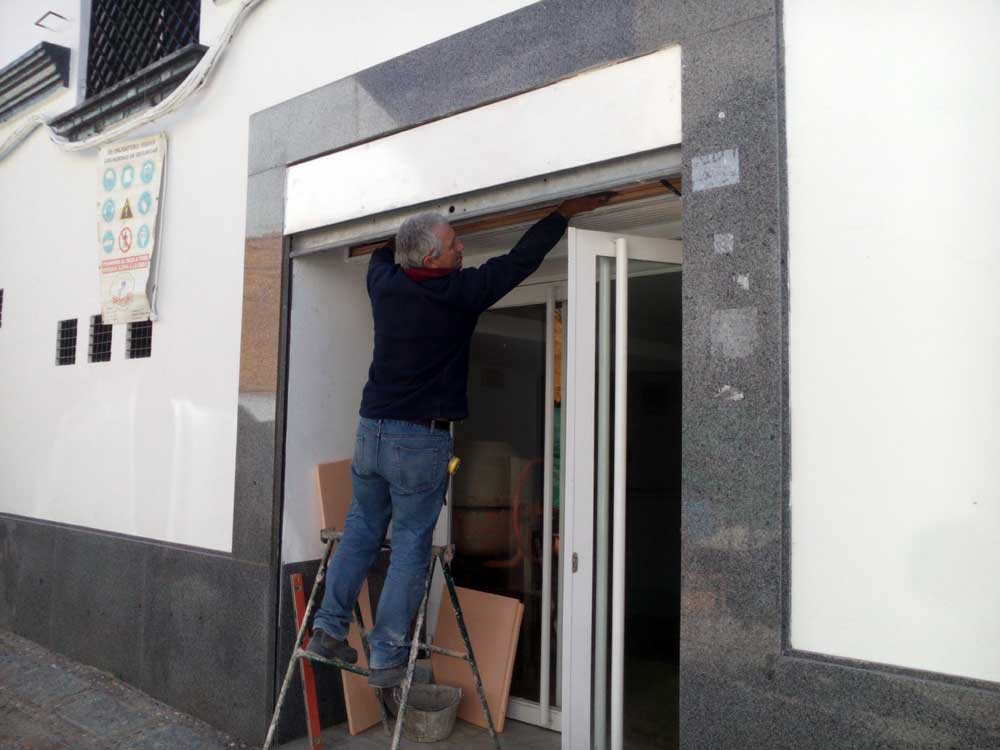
191 628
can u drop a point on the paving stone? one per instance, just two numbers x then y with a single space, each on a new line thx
45 684
104 715
173 736
23 729
50 702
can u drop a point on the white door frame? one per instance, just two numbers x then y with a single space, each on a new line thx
547 293
579 441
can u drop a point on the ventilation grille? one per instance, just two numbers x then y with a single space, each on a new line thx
100 340
139 340
66 342
128 35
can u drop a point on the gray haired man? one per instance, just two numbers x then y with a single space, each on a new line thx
425 307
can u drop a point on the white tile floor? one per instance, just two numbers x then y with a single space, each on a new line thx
516 736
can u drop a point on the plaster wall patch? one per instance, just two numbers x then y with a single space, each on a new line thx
729 393
717 169
734 332
723 244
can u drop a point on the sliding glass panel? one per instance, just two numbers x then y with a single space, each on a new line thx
497 497
651 505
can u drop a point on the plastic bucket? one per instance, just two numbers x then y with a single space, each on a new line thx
430 711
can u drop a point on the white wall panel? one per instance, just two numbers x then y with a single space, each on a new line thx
603 114
329 353
894 256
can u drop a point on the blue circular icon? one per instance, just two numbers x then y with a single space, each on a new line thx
143 236
147 172
109 179
108 210
128 176
145 202
108 242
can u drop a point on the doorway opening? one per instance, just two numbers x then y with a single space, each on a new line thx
532 512
510 504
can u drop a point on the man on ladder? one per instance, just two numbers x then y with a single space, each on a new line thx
425 308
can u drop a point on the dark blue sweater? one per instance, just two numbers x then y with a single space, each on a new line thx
423 329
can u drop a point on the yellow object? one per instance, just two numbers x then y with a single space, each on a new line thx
453 465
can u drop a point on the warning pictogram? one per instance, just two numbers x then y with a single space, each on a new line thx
126 211
125 240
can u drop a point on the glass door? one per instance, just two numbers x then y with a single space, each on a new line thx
600 482
506 502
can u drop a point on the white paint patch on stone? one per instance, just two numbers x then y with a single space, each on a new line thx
742 281
717 169
723 244
729 393
734 332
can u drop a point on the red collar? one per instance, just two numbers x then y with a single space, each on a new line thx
422 274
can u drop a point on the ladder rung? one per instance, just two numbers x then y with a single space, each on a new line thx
445 552
301 653
446 652
430 647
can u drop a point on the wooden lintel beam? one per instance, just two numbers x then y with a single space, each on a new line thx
667 186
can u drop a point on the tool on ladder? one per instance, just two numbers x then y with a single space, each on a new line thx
443 553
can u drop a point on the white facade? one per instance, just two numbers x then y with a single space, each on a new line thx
894 356
894 341
147 447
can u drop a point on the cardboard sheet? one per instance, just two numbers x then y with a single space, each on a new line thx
362 705
494 624
333 480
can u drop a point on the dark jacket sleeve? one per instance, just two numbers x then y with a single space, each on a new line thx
380 264
482 287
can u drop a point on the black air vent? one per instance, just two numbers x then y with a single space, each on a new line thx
100 340
139 340
66 342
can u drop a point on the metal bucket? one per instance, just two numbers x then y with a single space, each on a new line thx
430 711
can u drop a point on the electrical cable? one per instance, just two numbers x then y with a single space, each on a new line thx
173 101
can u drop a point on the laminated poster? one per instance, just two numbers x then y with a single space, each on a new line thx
128 207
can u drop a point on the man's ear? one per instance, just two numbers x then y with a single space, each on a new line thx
427 262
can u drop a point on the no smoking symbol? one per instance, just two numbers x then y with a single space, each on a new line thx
125 240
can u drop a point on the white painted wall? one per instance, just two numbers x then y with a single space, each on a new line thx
147 447
894 256
329 353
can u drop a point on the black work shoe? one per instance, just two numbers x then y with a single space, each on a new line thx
325 645
387 678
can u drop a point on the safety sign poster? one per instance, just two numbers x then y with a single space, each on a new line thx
128 206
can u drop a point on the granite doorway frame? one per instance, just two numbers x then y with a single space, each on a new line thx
741 683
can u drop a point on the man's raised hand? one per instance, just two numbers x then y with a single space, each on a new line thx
573 206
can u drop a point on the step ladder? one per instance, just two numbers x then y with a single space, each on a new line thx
444 554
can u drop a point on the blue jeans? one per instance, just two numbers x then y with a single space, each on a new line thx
399 473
